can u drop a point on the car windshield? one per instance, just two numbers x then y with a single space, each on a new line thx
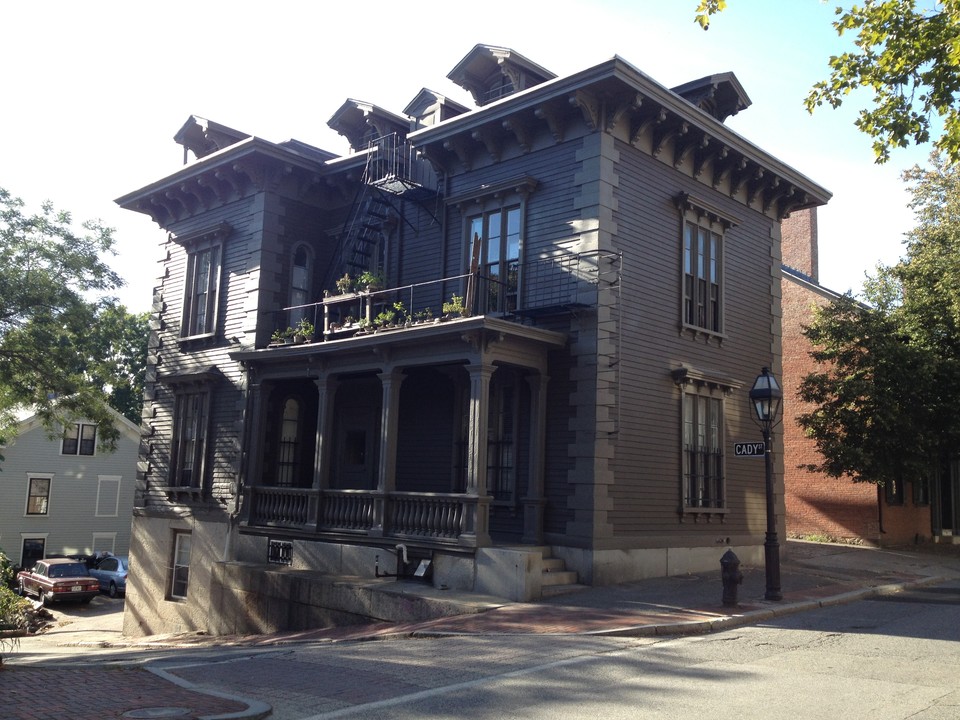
68 571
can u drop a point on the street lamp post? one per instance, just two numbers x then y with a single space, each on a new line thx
766 396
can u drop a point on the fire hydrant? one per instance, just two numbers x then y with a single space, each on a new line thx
731 577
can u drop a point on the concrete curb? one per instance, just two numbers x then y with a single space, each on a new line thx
256 710
706 625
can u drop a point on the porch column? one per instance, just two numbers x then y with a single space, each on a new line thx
534 501
326 398
478 523
253 431
387 468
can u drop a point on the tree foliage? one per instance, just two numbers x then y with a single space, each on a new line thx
889 384
908 55
64 343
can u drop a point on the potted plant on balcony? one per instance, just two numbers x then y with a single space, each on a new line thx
372 281
345 285
304 331
454 308
282 337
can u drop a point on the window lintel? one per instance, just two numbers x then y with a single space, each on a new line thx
523 186
202 377
212 234
685 375
687 203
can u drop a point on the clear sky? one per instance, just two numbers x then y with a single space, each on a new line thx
94 92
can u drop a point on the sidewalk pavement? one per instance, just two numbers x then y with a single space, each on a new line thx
813 575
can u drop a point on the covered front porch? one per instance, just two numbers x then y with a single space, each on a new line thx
430 436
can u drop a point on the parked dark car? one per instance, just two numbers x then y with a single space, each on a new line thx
58 579
111 571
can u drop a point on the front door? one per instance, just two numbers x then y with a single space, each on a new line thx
356 450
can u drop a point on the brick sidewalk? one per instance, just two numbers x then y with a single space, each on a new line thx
99 693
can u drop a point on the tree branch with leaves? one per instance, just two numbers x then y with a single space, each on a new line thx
908 55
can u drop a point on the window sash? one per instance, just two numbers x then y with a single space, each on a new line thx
200 299
79 439
180 574
189 442
702 277
38 496
703 480
499 232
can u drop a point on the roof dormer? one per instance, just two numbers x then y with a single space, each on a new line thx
361 123
203 137
429 108
490 73
719 95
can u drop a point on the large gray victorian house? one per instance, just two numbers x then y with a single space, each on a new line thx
534 326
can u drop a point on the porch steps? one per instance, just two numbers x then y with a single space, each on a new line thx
555 578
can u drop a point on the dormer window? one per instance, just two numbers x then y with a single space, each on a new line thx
500 86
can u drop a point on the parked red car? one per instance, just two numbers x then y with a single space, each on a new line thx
56 579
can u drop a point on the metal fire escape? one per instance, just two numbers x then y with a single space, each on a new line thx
393 174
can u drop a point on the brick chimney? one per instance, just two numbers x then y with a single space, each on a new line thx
799 237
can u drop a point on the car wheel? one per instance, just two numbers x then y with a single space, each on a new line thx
113 590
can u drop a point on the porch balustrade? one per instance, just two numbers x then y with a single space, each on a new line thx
429 517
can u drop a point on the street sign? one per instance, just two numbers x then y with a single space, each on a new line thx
748 449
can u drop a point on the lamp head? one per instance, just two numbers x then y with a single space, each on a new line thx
766 396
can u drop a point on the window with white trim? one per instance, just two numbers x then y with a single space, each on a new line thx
38 494
79 439
180 567
108 496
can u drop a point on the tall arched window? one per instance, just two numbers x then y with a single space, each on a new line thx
288 460
300 284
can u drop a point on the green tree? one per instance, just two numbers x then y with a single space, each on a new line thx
907 56
53 305
116 358
889 384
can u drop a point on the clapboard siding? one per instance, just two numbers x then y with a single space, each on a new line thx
176 358
72 518
648 454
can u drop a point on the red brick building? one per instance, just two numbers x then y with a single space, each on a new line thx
817 505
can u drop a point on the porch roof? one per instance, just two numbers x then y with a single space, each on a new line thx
474 339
